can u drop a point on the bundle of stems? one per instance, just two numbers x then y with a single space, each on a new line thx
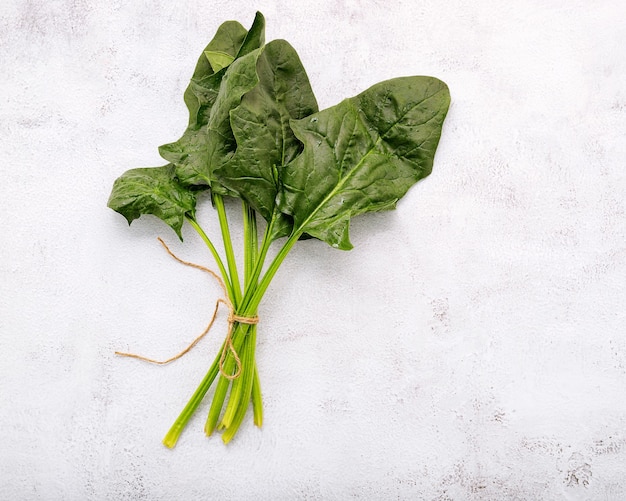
255 133
235 365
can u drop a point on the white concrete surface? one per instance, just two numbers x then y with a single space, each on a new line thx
471 346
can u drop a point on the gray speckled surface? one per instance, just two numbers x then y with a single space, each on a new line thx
471 346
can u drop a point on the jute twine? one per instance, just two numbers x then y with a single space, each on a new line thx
232 319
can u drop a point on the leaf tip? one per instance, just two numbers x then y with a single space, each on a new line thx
179 233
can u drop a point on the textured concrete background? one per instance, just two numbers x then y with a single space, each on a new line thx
471 346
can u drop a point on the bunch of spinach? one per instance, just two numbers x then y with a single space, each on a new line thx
255 133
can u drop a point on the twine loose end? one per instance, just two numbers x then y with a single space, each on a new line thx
232 319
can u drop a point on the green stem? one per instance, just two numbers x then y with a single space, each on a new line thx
228 248
251 244
250 306
221 390
246 391
216 256
179 425
258 265
216 405
237 392
257 402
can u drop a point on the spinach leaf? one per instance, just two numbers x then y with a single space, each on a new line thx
153 190
190 153
222 50
260 124
220 143
362 155
166 191
255 38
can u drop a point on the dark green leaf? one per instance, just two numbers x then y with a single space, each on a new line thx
265 141
222 50
233 41
240 78
202 89
189 153
255 39
215 81
363 155
152 190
